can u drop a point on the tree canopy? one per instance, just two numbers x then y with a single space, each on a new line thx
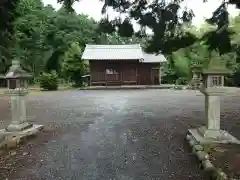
161 16
164 19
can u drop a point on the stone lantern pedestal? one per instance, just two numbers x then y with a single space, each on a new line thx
17 81
18 110
213 88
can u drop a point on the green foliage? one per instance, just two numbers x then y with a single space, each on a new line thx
43 35
68 4
114 38
169 74
182 81
8 14
73 67
49 81
182 64
164 18
161 17
200 53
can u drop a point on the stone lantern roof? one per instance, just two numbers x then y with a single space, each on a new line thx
216 67
16 72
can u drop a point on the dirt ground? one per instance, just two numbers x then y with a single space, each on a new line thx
113 135
226 157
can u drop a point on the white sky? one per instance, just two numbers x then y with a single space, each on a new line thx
200 9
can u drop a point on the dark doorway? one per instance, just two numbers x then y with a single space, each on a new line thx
155 76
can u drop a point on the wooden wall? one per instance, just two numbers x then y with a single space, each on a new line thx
121 72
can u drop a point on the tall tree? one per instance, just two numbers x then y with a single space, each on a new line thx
29 34
65 29
42 35
73 67
8 15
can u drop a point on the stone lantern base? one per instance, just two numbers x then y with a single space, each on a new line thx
208 136
22 131
18 127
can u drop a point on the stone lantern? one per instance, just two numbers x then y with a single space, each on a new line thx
17 83
213 87
196 70
197 75
214 75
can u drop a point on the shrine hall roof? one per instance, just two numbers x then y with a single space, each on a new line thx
120 52
113 52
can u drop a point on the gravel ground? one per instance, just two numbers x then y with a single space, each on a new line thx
113 135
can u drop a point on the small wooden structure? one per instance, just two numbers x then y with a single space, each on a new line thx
122 65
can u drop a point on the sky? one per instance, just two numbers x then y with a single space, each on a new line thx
201 10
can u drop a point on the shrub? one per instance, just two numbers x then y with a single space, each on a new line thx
181 81
49 81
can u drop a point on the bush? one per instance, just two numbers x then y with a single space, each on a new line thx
181 81
49 81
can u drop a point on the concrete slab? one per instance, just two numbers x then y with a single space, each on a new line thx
224 137
18 136
33 129
18 127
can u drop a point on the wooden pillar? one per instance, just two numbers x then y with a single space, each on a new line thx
121 73
151 76
90 78
136 75
105 76
160 75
